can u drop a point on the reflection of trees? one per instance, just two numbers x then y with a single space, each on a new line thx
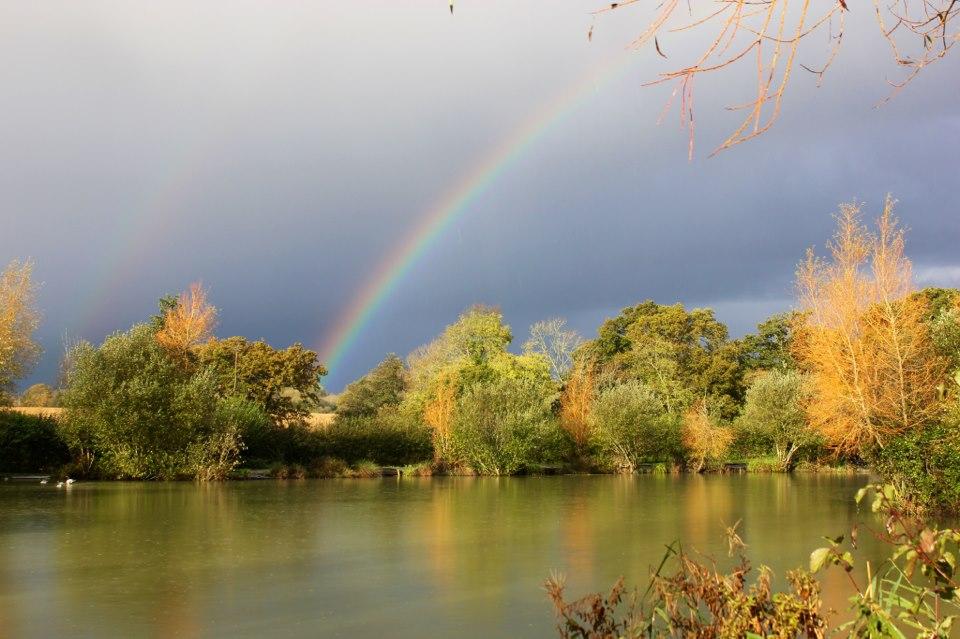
354 557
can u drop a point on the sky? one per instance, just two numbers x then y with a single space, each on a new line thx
278 152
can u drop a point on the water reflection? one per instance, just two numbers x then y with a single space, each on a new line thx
407 557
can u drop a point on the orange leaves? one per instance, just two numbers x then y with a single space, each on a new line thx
190 322
438 414
19 319
575 403
702 437
863 337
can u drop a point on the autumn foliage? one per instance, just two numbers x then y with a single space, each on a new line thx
863 338
575 403
438 414
704 439
190 322
19 319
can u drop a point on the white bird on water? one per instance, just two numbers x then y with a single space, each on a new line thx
43 481
59 484
70 481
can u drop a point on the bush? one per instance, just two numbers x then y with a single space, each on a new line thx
137 412
387 438
925 464
629 428
500 427
265 443
30 443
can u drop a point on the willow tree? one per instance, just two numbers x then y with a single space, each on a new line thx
863 337
19 319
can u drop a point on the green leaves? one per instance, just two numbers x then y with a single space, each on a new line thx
818 558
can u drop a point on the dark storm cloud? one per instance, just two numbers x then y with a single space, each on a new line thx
277 152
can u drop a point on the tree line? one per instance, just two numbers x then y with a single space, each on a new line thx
863 371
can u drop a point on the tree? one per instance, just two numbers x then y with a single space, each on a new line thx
19 319
863 337
679 354
39 395
775 410
438 415
382 386
189 322
769 348
134 411
576 402
551 339
478 334
704 439
628 427
502 426
260 373
767 39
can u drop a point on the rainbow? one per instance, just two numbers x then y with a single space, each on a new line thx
455 202
134 233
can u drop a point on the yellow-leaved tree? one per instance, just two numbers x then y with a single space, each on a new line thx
189 322
19 319
863 338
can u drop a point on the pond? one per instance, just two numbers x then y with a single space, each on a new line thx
407 557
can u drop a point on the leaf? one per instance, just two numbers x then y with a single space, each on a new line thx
861 494
927 541
656 44
818 557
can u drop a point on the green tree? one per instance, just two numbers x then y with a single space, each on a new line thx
682 355
769 347
629 427
478 335
382 386
133 410
775 412
39 395
256 371
501 427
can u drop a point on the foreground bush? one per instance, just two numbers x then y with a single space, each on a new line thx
915 589
30 443
925 464
696 600
134 411
629 427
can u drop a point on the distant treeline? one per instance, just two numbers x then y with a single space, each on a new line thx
864 371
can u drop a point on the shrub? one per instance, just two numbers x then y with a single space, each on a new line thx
629 428
266 443
502 426
706 441
388 438
136 412
30 443
925 464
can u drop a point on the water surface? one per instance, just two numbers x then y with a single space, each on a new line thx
399 558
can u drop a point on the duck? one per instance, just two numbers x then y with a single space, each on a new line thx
59 484
43 481
70 481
